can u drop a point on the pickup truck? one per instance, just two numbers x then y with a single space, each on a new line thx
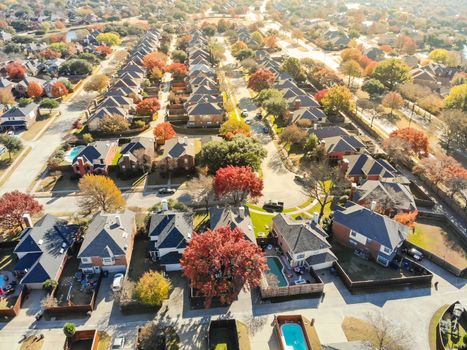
274 206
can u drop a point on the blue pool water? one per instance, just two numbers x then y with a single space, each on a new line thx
293 337
275 267
72 153
2 281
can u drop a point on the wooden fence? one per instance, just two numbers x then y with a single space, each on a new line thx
355 287
84 335
299 289
14 310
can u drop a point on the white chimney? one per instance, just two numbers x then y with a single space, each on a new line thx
373 205
118 221
185 140
165 205
241 212
316 217
27 220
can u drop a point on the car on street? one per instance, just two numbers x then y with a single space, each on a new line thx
117 282
299 178
248 121
166 190
274 206
244 113
259 116
118 343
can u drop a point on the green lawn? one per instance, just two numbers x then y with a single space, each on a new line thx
117 156
261 222
433 323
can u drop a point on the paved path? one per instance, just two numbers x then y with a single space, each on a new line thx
43 147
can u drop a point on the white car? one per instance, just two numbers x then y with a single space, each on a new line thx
118 343
117 282
244 113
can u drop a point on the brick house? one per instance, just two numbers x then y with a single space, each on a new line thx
205 115
95 158
179 153
364 167
108 243
364 229
19 117
138 154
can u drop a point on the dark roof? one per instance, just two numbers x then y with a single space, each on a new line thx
105 237
372 189
44 243
173 229
135 144
312 114
379 228
205 109
366 165
347 143
95 151
178 147
300 235
321 258
329 131
170 258
221 217
20 111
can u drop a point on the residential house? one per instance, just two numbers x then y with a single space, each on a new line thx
19 117
395 195
411 61
138 154
95 158
179 154
366 230
108 243
423 77
21 88
101 112
312 115
5 85
205 115
364 167
42 250
338 147
303 242
375 54
233 218
169 233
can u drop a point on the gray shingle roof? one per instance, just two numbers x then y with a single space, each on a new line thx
372 189
377 227
221 217
105 237
173 229
301 236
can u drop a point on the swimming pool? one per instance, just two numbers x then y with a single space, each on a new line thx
293 337
275 267
72 153
3 283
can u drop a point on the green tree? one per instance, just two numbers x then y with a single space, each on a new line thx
392 72
244 54
75 67
457 98
258 37
69 329
49 103
373 87
338 99
238 151
352 69
49 285
179 55
293 66
276 106
152 288
109 39
11 143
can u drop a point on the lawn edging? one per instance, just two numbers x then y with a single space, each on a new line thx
433 327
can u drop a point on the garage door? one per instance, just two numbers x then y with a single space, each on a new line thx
114 268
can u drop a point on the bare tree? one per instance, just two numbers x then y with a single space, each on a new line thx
201 190
388 335
387 200
397 149
143 160
324 182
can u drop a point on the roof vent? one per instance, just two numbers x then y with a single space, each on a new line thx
63 245
62 250
124 234
40 242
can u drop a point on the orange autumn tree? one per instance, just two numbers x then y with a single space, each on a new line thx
417 139
164 131
104 50
59 89
407 219
16 70
155 60
220 263
148 106
35 90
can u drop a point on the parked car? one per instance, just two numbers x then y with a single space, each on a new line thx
266 130
274 206
248 121
259 116
244 113
167 190
117 282
414 253
118 343
299 178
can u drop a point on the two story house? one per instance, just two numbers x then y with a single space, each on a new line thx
303 242
179 153
19 117
366 230
108 243
95 158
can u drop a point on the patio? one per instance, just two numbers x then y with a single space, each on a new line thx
291 274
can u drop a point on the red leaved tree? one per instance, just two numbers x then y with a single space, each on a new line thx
13 205
35 90
56 38
16 70
407 219
440 169
238 183
104 50
261 79
50 54
220 263
321 94
148 106
417 139
59 25
178 70
155 60
59 89
164 131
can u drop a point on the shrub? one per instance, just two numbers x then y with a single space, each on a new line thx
88 138
69 329
49 285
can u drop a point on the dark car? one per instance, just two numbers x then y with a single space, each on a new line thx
259 116
300 179
166 190
266 130
274 206
414 254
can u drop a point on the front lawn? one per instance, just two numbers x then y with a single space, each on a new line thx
433 325
262 222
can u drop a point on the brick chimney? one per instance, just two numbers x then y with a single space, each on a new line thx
353 189
344 166
81 168
297 103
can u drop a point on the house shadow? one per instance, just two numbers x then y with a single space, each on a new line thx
439 272
247 103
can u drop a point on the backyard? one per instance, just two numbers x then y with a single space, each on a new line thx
81 291
359 269
439 239
7 259
140 263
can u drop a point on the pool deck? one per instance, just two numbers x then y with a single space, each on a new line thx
288 271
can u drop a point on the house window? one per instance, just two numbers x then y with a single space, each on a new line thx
108 261
300 256
353 234
86 260
382 261
387 250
